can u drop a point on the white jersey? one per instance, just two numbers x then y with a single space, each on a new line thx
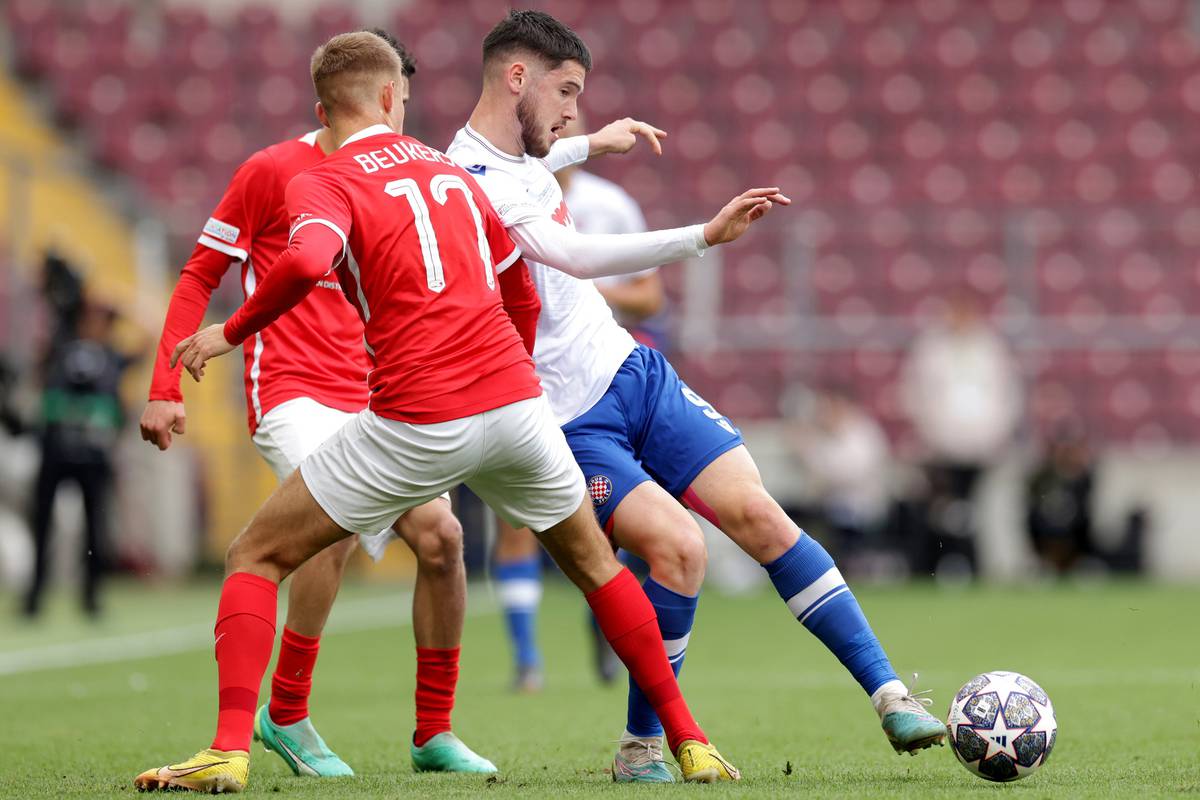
579 345
600 206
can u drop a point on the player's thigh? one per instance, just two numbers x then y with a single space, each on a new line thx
730 493
653 526
375 469
609 466
527 474
683 433
293 429
290 528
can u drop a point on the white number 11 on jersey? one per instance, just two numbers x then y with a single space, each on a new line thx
439 187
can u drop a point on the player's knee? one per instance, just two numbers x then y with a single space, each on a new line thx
760 519
250 553
679 560
440 546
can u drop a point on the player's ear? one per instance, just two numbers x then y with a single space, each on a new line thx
322 117
518 76
387 97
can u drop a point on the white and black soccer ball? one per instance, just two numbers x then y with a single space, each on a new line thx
1002 726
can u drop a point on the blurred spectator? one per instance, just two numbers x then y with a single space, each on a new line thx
846 451
598 205
81 418
961 390
1059 502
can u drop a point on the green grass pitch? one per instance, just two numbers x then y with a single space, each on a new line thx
84 708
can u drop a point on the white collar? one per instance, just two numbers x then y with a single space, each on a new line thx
373 130
496 151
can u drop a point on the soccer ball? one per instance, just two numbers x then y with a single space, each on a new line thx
1002 726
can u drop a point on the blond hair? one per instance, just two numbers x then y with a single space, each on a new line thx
349 69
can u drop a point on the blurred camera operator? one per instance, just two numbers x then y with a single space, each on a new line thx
80 419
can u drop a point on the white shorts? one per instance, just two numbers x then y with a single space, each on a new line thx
514 457
290 431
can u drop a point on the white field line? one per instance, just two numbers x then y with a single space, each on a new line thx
1047 679
389 611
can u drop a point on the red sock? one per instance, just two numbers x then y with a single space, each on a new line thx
631 627
437 675
292 682
245 634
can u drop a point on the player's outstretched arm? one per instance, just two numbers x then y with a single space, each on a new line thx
314 248
588 256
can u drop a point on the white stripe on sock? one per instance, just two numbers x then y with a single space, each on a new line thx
799 603
813 610
519 594
675 647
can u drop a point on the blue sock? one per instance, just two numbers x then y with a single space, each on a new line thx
520 589
816 593
676 612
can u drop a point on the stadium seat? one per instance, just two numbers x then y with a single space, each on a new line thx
929 145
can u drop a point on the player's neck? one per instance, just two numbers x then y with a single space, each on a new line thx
341 130
325 141
499 126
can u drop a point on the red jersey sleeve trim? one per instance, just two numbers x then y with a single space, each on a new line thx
341 235
222 247
509 260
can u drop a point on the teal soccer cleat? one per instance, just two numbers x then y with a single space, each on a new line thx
300 746
447 753
907 723
640 761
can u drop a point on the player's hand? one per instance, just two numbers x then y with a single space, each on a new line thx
160 419
194 351
621 136
736 217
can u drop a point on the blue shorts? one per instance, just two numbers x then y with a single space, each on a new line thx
648 426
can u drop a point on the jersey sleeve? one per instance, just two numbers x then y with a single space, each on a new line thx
288 281
318 200
320 216
521 301
189 300
567 153
627 218
589 256
242 209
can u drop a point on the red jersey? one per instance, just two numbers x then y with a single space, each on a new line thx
315 349
420 250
